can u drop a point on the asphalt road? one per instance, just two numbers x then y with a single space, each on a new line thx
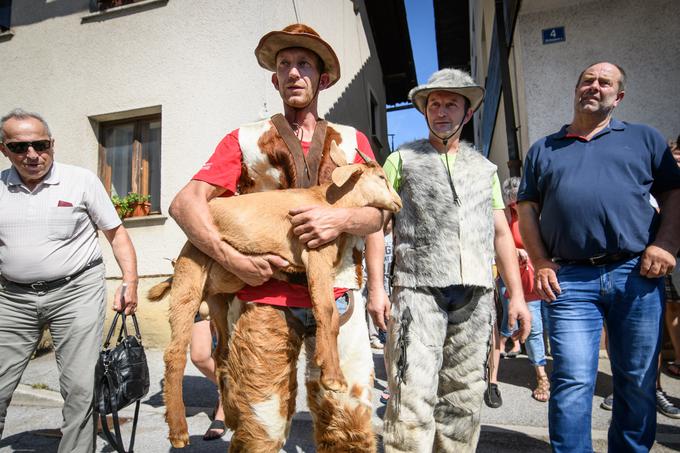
520 425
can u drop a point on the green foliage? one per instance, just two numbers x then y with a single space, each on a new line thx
125 205
134 198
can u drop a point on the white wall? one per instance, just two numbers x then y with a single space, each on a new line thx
194 59
640 36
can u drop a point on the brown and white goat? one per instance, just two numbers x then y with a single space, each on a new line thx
259 223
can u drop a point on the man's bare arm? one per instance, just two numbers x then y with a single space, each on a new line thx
506 260
547 285
658 258
318 225
190 210
378 305
125 255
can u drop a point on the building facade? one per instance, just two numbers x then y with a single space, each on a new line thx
549 42
141 92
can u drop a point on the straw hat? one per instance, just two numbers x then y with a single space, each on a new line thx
297 35
452 80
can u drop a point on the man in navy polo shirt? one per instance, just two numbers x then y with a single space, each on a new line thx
600 249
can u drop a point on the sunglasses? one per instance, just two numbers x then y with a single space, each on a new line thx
22 147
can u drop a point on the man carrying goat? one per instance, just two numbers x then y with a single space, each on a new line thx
274 318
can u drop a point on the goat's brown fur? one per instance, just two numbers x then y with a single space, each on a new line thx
255 224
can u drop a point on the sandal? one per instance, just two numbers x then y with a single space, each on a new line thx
673 370
492 396
216 430
542 391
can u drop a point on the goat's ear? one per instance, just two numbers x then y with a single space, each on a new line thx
343 174
337 155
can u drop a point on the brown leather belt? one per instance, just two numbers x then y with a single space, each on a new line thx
600 260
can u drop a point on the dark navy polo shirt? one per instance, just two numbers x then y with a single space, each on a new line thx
594 195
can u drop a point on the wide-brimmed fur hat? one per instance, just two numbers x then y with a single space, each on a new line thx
297 35
448 79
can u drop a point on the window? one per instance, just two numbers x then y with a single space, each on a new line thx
5 15
101 5
130 157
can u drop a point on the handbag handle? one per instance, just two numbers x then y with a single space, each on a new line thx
116 439
123 328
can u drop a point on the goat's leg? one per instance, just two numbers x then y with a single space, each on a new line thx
342 420
320 276
219 308
185 298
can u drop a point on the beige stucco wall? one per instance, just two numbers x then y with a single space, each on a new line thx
193 59
640 36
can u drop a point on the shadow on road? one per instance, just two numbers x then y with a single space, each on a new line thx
499 440
517 372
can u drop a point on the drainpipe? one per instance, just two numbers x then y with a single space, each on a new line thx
514 162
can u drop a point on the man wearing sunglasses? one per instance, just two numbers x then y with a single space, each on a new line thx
51 269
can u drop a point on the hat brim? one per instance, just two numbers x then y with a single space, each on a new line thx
272 43
474 94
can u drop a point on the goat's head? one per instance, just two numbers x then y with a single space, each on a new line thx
367 183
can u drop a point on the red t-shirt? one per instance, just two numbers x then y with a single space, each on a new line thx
223 169
527 271
514 228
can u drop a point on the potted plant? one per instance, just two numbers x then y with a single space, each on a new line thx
139 204
122 206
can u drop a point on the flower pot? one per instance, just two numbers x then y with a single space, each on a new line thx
141 209
123 212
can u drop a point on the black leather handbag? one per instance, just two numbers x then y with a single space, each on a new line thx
121 378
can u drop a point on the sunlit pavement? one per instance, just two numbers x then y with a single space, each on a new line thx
520 425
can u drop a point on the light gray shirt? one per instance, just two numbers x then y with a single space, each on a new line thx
51 232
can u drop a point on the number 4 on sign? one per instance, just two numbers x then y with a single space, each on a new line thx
552 35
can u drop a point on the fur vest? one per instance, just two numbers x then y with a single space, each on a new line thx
438 242
267 164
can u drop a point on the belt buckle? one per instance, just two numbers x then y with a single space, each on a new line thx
595 260
39 286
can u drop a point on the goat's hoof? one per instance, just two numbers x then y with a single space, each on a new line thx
334 384
180 441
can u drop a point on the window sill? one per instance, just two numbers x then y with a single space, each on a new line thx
143 221
124 10
6 35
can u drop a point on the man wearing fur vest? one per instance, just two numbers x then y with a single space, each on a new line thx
272 319
445 236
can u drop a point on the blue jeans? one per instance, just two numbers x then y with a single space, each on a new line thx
539 321
306 315
534 344
632 308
